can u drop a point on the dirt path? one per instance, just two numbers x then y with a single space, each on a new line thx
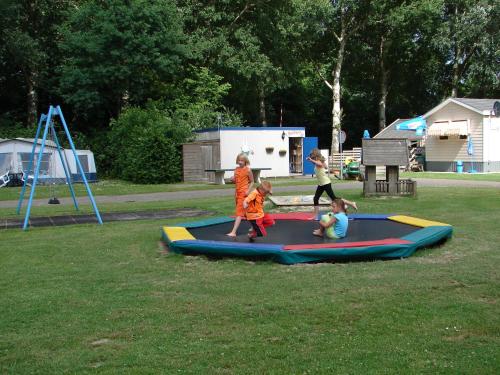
186 195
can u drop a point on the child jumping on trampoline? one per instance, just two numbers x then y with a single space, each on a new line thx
324 182
254 205
334 224
243 179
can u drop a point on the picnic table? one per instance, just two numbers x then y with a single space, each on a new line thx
219 174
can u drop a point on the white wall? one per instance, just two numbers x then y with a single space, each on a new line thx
233 141
454 149
491 140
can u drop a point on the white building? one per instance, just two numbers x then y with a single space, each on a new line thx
282 149
15 156
451 125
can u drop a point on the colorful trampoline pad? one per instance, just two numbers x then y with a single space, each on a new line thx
291 241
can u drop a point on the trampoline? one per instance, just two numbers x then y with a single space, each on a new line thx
291 241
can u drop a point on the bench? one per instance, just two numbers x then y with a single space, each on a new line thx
219 174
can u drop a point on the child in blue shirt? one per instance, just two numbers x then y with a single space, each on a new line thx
334 224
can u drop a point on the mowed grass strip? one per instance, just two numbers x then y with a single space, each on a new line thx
454 176
104 299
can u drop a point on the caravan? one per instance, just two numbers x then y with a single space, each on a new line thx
15 156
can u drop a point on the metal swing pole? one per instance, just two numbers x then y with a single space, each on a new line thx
30 164
68 178
79 165
37 170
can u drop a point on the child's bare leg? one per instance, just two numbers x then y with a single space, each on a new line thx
236 225
350 204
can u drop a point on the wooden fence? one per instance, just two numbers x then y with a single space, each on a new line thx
334 159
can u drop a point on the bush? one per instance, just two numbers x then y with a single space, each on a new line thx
145 146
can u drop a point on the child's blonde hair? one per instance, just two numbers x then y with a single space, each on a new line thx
339 202
316 155
243 157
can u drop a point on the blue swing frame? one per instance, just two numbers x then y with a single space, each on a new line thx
49 126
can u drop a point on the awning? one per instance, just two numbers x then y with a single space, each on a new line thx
448 128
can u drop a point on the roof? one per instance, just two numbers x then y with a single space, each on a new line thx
48 142
481 106
252 128
391 131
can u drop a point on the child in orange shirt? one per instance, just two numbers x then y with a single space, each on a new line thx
243 179
254 204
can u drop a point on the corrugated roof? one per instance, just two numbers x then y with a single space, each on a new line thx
391 131
479 104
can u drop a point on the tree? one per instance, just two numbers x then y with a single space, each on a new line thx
465 39
343 18
247 43
120 53
28 40
396 31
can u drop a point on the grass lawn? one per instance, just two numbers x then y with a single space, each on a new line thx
454 176
118 187
104 299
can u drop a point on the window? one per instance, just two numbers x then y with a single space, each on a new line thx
5 162
24 160
84 161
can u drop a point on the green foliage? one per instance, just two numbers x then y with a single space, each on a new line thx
144 146
11 129
198 101
120 53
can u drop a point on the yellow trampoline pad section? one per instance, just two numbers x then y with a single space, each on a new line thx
416 221
177 234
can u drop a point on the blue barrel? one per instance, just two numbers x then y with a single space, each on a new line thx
460 166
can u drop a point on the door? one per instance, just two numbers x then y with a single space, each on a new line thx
309 144
207 161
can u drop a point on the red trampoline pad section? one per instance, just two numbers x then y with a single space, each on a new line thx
387 241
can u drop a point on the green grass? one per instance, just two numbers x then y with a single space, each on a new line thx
104 299
118 187
454 176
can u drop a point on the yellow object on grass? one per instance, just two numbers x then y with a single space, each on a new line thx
177 234
416 222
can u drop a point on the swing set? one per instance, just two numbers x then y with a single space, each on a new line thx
50 132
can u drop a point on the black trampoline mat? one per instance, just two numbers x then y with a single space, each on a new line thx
47 221
295 232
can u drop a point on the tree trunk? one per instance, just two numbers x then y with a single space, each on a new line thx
262 106
384 75
31 99
456 73
336 110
